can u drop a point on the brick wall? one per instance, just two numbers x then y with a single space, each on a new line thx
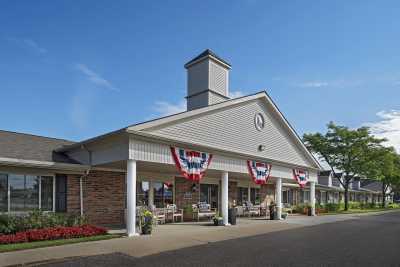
184 194
73 191
103 197
232 193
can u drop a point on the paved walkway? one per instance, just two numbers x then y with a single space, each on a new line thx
166 238
366 241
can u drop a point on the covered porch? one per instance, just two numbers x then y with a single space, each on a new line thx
159 187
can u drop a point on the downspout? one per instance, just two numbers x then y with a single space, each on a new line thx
82 177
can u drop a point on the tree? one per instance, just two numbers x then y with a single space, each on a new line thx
386 168
345 150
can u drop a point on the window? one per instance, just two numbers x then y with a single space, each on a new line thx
47 193
209 194
22 192
163 194
142 193
3 193
306 196
242 195
255 196
285 196
323 197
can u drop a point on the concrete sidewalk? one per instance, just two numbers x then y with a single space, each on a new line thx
166 237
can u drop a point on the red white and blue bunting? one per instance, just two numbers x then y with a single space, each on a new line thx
301 176
259 171
192 164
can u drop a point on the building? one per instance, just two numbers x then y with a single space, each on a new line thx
107 176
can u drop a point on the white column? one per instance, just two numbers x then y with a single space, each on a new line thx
151 194
312 198
249 193
224 197
131 198
278 192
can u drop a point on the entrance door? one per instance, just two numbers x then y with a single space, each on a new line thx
209 194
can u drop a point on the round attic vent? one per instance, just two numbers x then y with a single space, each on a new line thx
259 121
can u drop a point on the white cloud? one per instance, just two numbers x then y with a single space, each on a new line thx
314 84
28 44
94 77
387 127
164 108
236 94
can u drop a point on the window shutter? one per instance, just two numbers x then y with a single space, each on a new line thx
61 193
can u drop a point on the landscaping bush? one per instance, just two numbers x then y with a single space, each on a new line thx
52 234
354 205
300 208
10 224
332 207
394 205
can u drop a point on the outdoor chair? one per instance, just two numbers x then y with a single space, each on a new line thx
175 212
287 208
159 214
250 209
239 211
203 209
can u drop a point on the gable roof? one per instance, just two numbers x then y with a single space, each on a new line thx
32 147
139 127
228 103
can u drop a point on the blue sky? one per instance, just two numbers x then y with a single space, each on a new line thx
75 71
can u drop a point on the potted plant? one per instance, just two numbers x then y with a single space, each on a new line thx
147 222
218 220
188 212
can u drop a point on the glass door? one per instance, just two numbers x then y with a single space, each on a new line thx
209 194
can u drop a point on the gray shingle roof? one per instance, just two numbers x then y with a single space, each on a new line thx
205 53
32 147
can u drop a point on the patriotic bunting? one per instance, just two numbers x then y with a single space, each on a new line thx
259 171
192 164
301 177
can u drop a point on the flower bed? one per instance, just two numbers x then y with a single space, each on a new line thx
52 234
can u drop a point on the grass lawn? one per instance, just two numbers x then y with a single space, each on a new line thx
350 211
51 243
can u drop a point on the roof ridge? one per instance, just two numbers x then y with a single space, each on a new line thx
36 135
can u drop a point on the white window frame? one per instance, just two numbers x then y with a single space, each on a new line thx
40 192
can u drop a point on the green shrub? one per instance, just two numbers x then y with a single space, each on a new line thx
37 220
393 205
354 205
299 208
332 207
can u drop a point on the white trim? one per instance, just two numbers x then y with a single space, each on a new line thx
42 164
54 193
40 191
81 194
9 196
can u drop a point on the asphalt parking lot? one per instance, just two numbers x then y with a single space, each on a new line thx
372 240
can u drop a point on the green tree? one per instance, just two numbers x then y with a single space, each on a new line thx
345 150
386 168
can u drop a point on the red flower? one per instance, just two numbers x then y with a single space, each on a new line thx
53 233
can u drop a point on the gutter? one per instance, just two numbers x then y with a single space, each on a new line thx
42 164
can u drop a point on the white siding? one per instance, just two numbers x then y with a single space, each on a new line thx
198 101
161 153
218 78
214 98
232 129
107 150
198 75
